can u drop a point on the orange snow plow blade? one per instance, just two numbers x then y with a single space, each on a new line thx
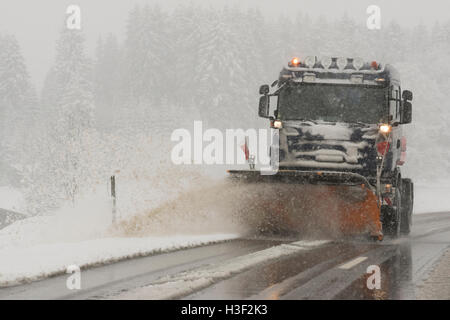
329 203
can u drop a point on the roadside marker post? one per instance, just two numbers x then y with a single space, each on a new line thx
113 196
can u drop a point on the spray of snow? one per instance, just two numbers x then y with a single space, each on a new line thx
209 207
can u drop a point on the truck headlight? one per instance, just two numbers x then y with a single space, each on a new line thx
385 128
277 124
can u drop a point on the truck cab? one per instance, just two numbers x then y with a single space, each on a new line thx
345 115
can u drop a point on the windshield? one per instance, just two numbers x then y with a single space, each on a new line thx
336 103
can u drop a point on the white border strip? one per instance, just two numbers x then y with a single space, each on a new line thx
352 263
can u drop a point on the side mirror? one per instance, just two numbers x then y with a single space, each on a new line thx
263 110
264 89
407 112
407 95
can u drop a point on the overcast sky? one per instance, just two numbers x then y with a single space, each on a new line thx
36 23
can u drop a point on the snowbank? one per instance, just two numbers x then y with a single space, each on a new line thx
84 235
20 264
11 199
90 219
431 197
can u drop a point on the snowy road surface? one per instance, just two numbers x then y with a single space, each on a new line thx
269 268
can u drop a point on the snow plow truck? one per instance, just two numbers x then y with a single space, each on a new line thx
338 124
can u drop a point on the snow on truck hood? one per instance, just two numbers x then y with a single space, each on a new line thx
321 130
325 144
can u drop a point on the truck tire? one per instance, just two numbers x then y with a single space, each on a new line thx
391 215
407 206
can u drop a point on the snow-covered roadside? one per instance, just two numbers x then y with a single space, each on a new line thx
11 206
11 199
44 245
431 197
40 246
19 264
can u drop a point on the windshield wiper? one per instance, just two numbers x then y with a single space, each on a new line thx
304 120
361 123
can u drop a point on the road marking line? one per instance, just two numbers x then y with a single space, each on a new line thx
187 282
352 263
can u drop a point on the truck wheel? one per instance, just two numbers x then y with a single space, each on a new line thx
392 216
407 206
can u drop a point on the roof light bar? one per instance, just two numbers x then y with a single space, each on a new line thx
341 63
358 63
310 61
326 62
295 62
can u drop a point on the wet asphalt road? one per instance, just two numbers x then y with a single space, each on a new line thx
335 270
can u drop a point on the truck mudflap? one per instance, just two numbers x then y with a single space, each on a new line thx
336 201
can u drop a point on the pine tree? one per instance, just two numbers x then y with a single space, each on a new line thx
220 74
419 40
18 110
68 102
254 49
147 55
107 81
282 39
345 36
187 22
394 40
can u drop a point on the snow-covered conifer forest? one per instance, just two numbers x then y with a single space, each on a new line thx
113 112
